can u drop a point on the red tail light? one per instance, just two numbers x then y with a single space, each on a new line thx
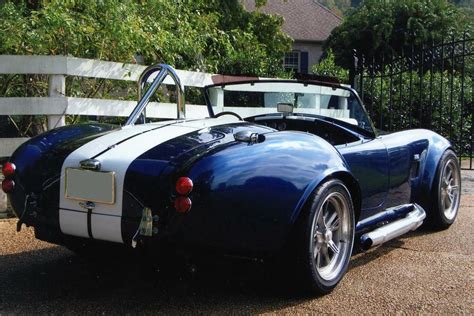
182 204
8 169
8 185
184 185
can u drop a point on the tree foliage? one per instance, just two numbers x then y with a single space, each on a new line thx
328 68
211 35
438 100
379 27
216 36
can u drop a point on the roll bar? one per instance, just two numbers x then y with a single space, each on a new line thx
164 70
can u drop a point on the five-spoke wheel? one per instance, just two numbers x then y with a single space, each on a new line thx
450 188
447 191
331 235
326 237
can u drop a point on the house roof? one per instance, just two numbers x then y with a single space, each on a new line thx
305 20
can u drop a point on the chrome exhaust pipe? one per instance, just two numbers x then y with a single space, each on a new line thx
410 222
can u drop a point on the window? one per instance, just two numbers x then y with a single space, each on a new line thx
292 61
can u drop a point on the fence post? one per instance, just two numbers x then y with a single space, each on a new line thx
57 89
216 96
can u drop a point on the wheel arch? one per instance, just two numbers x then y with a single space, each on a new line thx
347 178
438 145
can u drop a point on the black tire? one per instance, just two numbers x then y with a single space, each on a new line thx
447 193
313 233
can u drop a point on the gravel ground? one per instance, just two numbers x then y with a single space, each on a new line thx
424 272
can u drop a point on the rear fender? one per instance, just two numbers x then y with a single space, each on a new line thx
255 191
338 173
38 163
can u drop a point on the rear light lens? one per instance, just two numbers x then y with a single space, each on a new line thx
8 185
8 169
182 204
184 185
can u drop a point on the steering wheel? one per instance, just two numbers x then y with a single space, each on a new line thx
229 113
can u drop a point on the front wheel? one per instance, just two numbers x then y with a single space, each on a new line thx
326 237
447 192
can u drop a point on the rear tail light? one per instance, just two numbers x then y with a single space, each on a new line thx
182 204
8 185
184 185
8 169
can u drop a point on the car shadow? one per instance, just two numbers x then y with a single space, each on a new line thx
54 280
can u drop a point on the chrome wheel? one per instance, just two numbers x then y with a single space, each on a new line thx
449 189
332 236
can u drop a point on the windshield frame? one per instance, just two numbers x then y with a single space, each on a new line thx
373 133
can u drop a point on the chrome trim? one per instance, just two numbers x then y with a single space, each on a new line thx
164 70
246 136
90 164
412 221
249 137
145 228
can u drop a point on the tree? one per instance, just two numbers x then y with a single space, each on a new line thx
217 36
389 27
213 35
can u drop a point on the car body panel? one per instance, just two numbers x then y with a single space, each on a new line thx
239 190
368 162
104 222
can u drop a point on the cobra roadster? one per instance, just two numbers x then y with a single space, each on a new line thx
287 167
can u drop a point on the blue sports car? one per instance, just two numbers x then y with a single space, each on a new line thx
288 168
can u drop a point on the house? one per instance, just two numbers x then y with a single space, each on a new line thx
308 23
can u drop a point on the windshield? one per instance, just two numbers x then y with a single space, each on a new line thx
264 97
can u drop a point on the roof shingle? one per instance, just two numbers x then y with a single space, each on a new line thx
305 20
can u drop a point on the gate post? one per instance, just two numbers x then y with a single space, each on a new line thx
353 69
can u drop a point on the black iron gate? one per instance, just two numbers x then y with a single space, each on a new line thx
428 87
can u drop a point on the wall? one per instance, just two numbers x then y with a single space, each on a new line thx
314 50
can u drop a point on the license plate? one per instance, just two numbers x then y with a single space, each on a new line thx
93 186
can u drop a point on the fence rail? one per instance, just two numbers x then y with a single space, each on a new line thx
428 87
57 104
432 87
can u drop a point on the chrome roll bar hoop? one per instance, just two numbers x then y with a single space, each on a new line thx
164 70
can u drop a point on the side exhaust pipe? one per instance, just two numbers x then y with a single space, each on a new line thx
410 222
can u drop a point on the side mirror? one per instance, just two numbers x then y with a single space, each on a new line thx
285 107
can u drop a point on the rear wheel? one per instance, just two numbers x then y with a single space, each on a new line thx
326 238
447 191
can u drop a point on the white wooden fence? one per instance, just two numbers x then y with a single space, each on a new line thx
57 104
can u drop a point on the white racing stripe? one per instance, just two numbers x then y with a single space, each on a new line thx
106 219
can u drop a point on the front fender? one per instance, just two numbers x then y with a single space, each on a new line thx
436 147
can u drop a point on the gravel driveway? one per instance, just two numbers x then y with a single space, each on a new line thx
424 272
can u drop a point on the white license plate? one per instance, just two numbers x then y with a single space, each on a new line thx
87 185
